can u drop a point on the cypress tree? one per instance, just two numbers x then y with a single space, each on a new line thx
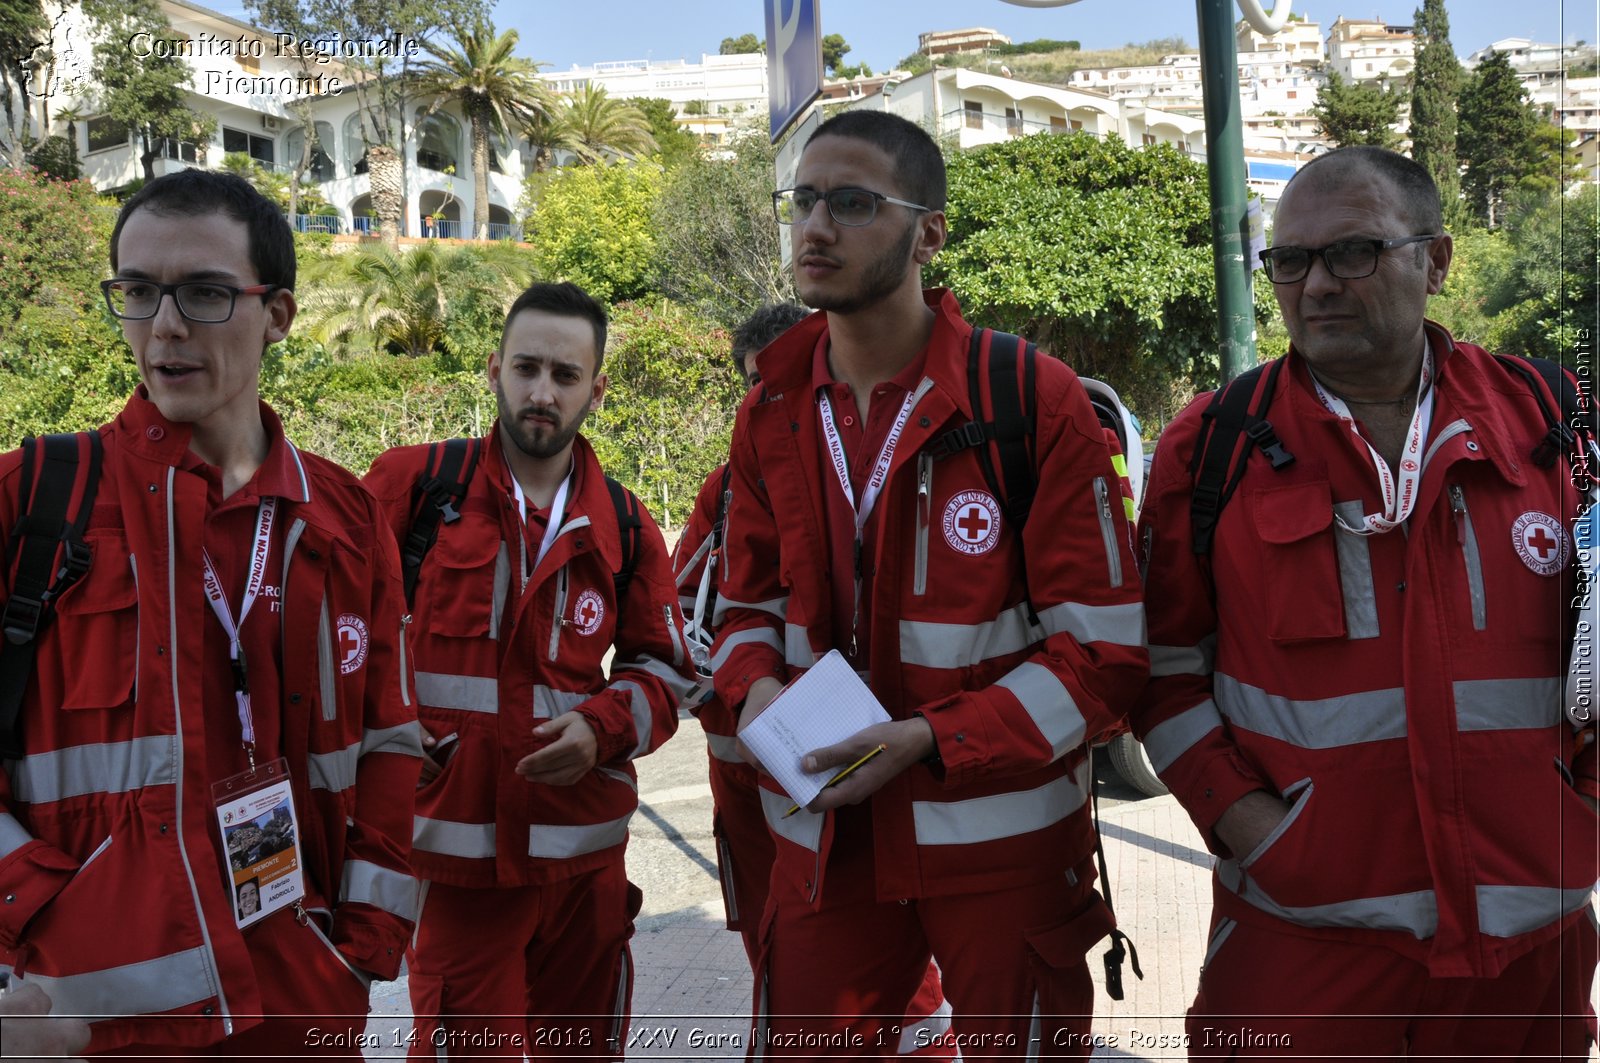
1435 86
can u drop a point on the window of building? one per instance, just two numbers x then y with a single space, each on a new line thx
258 148
1292 94
321 168
1058 124
974 114
1013 121
1076 124
106 132
176 149
248 63
438 142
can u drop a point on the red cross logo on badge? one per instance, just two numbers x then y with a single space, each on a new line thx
352 643
972 522
1541 542
587 614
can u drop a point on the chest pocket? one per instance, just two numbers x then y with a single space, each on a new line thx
1300 563
467 574
97 634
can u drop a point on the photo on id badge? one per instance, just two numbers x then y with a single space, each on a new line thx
260 834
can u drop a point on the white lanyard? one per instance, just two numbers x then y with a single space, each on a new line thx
1399 496
870 492
558 507
219 605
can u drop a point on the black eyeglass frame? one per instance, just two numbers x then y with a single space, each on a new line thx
1378 247
263 290
827 197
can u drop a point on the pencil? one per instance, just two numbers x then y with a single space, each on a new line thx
870 754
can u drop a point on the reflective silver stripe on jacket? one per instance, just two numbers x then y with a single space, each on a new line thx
1048 704
13 835
1355 573
930 644
364 882
1171 739
148 987
327 681
985 819
764 635
470 841
724 748
797 647
1507 704
1120 625
778 607
1323 723
1415 913
921 1034
639 706
470 693
803 828
548 703
97 768
553 841
1199 659
1506 911
677 684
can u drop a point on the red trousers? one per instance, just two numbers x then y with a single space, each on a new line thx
745 853
538 970
834 982
314 1005
1270 995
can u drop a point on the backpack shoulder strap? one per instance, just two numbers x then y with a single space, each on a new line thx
1569 430
1236 415
439 491
629 525
1010 424
50 556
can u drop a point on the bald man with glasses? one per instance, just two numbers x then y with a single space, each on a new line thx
1356 687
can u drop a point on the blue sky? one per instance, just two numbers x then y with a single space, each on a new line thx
562 33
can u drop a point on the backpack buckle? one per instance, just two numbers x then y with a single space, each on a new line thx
1262 435
441 498
75 559
21 619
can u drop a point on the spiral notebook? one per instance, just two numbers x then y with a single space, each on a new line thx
826 704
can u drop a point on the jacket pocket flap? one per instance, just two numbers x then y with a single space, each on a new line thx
106 587
1292 513
473 544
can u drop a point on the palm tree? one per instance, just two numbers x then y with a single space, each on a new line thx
382 299
597 124
497 91
547 134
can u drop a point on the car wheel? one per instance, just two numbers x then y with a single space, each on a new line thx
1129 758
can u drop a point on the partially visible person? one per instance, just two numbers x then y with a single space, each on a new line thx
236 639
522 818
1357 690
29 1033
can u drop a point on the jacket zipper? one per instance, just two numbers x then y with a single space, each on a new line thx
924 513
561 607
1108 530
138 629
1467 539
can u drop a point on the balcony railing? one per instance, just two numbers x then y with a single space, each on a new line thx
319 223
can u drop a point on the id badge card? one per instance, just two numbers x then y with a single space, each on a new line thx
261 835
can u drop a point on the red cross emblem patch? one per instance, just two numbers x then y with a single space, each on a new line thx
353 642
972 522
1541 542
588 612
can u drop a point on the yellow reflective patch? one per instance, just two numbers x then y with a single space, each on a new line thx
1119 462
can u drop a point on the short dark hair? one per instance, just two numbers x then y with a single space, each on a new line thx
1413 184
566 300
762 327
196 193
918 164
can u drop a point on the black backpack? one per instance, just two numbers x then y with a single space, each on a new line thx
56 495
1235 422
441 488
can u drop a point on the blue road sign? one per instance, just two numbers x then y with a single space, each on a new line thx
794 60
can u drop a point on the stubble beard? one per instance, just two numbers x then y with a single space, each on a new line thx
534 442
883 278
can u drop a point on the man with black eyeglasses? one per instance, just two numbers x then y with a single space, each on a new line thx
855 525
1357 685
217 706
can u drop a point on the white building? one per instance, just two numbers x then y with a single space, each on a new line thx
719 86
951 42
1172 83
1370 50
1299 41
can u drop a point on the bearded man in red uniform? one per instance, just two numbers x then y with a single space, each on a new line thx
968 838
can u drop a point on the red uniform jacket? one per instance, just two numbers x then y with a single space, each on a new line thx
493 660
689 561
1011 703
114 900
1403 690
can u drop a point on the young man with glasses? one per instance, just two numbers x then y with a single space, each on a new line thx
968 839
227 669
1357 690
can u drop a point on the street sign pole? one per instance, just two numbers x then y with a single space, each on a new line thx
1225 170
